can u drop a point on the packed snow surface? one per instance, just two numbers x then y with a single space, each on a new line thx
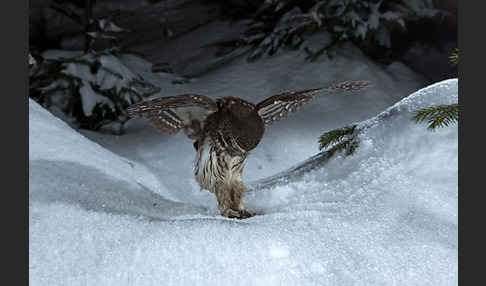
386 215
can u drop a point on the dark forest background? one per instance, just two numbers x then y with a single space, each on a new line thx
424 44
189 38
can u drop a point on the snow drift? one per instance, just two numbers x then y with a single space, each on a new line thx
386 215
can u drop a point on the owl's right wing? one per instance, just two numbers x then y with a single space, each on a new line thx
173 113
280 105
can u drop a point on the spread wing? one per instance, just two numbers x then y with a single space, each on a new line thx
173 113
280 105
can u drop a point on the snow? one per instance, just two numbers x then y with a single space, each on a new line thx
106 79
133 215
108 26
50 139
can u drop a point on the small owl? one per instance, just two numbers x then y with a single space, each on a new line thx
225 131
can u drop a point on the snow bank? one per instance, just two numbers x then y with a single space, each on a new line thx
52 139
385 216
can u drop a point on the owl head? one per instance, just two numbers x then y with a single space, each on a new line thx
247 126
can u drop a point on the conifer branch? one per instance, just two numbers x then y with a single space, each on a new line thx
338 140
454 58
66 11
335 136
438 116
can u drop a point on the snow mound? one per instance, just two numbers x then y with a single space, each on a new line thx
60 158
385 216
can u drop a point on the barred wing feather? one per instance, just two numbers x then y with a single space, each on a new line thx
173 113
280 105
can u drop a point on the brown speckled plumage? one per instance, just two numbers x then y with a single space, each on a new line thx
225 132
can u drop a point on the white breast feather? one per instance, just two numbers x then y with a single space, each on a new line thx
208 172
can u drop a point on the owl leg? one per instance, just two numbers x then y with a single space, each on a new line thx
237 191
223 195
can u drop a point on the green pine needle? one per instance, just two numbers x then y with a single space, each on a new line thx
335 136
349 145
454 58
338 140
438 116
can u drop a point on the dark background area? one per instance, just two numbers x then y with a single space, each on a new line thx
154 27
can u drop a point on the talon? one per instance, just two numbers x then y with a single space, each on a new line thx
245 214
230 213
239 214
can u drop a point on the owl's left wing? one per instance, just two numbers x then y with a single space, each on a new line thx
280 105
173 113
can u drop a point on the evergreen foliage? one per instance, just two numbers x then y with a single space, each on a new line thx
454 58
368 23
438 116
89 89
338 140
89 92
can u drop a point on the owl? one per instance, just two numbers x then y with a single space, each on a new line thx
224 132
